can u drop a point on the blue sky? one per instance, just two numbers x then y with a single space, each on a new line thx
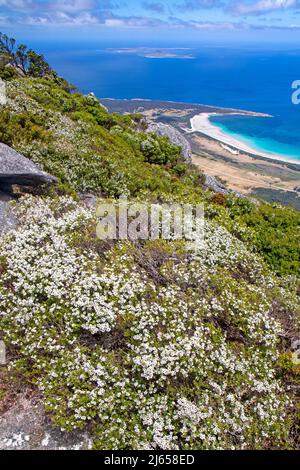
235 19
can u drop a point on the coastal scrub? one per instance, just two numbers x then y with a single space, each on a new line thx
145 345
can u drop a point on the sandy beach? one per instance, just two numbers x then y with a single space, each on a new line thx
201 123
241 167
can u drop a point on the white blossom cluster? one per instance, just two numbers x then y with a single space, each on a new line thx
184 359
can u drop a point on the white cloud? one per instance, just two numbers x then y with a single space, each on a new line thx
114 22
4 20
215 25
72 5
62 18
17 4
96 12
262 6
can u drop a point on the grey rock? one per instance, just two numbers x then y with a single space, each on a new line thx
17 169
17 70
175 136
25 426
213 183
88 199
7 218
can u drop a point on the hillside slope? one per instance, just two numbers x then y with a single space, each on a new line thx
144 344
73 137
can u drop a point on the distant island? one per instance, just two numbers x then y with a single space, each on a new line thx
155 53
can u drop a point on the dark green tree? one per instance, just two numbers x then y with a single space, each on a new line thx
21 58
38 67
7 46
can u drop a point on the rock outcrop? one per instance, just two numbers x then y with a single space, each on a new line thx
215 185
177 138
92 97
212 183
7 219
25 426
174 135
17 169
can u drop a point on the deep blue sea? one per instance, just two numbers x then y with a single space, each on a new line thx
247 78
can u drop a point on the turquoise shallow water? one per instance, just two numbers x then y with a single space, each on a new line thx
230 77
255 136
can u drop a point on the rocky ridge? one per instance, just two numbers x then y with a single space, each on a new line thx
165 130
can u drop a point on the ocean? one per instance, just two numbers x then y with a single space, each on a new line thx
228 76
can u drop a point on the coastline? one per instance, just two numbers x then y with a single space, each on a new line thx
201 123
124 105
193 119
242 168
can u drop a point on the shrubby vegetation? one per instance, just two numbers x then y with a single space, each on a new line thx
273 224
148 345
88 149
144 344
278 196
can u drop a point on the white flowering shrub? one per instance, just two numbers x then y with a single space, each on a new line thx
149 346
